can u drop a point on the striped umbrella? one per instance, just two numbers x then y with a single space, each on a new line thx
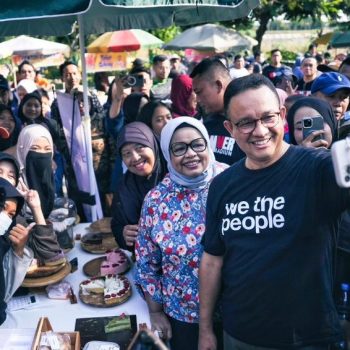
124 40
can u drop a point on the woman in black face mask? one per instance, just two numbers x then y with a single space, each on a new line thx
34 155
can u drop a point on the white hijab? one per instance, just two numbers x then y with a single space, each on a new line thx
167 133
26 138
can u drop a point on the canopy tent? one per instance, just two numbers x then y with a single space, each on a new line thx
334 39
27 46
340 39
98 16
210 37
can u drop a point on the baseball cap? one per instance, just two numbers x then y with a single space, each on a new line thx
330 67
330 82
4 85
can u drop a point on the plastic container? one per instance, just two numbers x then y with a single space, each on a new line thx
63 218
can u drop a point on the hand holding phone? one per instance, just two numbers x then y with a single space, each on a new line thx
312 124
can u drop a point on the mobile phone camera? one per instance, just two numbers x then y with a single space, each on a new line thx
341 161
307 123
133 80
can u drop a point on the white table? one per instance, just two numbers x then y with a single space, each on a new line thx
62 314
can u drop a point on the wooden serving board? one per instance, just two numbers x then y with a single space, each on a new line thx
98 299
43 271
47 280
108 242
102 225
92 267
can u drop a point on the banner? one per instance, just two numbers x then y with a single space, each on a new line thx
39 60
106 62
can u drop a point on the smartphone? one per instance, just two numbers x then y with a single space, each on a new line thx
311 124
132 80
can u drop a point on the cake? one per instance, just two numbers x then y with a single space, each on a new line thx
92 238
116 262
117 289
33 266
113 289
93 285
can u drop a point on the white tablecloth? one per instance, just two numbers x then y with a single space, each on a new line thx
62 314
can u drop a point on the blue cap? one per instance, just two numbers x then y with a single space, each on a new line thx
330 82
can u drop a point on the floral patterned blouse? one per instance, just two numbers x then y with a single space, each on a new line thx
168 248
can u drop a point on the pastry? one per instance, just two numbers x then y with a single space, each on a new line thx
114 289
93 285
92 238
116 263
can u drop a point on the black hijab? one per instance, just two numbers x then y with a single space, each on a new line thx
12 140
131 106
322 107
21 115
8 158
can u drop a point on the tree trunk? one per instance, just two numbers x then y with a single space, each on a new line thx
263 22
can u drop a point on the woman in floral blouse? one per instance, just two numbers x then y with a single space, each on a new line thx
172 223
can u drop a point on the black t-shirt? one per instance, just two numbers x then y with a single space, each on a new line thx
276 229
304 88
223 145
273 73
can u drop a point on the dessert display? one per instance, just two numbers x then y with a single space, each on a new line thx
37 270
102 225
114 262
105 291
98 242
92 238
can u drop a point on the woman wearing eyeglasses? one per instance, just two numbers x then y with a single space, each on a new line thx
168 245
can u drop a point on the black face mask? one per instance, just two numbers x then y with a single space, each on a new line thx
40 178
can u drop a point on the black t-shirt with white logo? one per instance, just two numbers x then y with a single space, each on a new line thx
222 143
276 229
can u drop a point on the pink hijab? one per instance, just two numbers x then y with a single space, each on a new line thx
181 90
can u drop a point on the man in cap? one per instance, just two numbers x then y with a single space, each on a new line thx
334 88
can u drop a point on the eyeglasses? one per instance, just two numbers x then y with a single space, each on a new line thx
178 149
247 126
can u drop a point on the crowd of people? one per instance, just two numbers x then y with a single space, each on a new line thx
239 230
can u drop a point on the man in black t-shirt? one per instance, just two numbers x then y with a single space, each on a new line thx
309 69
275 69
271 229
210 78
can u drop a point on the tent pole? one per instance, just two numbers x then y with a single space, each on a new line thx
86 118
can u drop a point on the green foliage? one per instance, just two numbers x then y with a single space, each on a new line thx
166 34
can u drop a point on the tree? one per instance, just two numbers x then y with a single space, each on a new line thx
292 10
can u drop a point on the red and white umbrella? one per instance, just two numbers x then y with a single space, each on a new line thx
124 40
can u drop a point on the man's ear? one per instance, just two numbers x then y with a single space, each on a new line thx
228 126
283 112
219 85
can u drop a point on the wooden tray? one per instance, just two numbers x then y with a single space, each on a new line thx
45 281
98 300
108 242
92 267
43 271
102 225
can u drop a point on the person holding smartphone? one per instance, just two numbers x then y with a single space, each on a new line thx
312 123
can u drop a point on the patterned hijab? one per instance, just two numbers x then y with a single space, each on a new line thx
168 131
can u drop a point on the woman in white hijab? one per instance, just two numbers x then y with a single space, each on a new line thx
171 227
34 155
